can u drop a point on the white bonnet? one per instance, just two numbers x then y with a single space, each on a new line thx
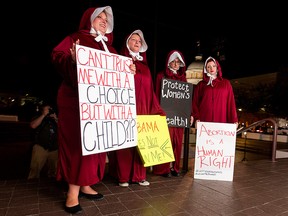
109 14
144 46
209 58
173 56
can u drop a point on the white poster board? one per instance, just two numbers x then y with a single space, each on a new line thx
215 151
106 100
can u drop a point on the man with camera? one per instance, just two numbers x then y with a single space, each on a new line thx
45 148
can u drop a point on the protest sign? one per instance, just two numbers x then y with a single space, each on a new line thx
176 101
154 144
215 151
106 100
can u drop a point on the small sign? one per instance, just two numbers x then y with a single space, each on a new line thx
176 101
154 143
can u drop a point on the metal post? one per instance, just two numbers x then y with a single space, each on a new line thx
244 158
186 150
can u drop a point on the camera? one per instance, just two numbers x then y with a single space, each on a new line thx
51 111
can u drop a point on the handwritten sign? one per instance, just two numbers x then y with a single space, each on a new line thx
154 144
215 151
106 100
176 100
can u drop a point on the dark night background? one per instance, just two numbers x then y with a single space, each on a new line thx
253 38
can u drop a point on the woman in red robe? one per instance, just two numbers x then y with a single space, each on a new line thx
127 162
175 69
213 98
80 172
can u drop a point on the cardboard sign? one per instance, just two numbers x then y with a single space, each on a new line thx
106 100
176 101
215 151
154 143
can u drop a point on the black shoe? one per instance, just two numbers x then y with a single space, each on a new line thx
166 175
74 209
97 196
174 173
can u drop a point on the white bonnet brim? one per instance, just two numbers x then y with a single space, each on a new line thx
144 46
209 58
109 14
173 56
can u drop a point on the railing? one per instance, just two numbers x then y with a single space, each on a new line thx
239 131
275 132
